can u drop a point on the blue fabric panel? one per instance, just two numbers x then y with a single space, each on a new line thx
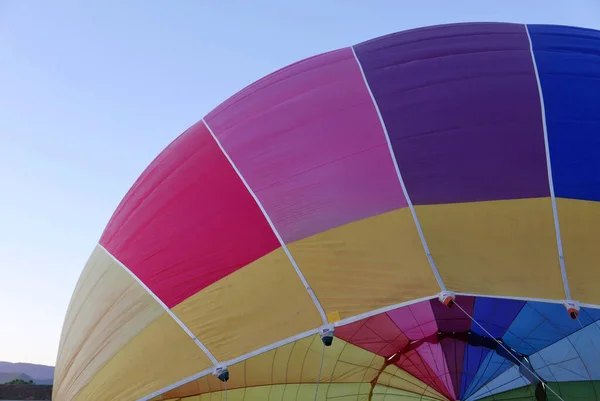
568 63
574 358
539 325
474 358
495 315
507 381
492 366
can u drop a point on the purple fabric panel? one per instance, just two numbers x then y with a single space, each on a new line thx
453 319
310 144
462 110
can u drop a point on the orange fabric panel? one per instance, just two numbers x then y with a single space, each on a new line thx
160 355
298 362
394 377
505 248
262 303
107 310
290 392
383 393
367 264
580 232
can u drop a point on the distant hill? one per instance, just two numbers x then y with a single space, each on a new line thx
39 374
6 377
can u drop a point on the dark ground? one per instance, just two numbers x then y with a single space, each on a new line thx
25 392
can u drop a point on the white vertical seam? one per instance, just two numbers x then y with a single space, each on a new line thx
165 307
561 258
279 238
404 190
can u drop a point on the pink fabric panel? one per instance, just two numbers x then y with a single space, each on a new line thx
416 321
307 139
415 364
433 355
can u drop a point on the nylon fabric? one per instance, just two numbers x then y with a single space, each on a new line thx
159 355
109 308
536 327
297 362
394 377
496 316
461 108
576 391
496 248
266 293
580 229
305 166
568 63
382 393
189 196
363 266
289 392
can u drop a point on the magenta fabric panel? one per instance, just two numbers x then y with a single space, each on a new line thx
310 144
188 221
377 334
416 321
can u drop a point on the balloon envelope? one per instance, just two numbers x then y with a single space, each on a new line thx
349 189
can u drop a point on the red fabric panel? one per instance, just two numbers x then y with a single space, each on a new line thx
378 334
188 221
381 335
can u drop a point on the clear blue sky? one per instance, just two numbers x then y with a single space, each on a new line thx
90 94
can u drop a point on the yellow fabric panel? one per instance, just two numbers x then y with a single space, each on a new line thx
393 376
495 248
382 393
262 303
580 232
290 392
367 264
107 310
297 362
160 355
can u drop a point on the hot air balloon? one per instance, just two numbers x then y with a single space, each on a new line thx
415 217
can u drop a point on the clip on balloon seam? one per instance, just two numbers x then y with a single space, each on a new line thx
447 298
327 333
221 372
573 309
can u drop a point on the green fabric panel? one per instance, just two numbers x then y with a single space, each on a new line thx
569 391
576 391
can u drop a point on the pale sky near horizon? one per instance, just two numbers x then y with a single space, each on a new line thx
91 93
